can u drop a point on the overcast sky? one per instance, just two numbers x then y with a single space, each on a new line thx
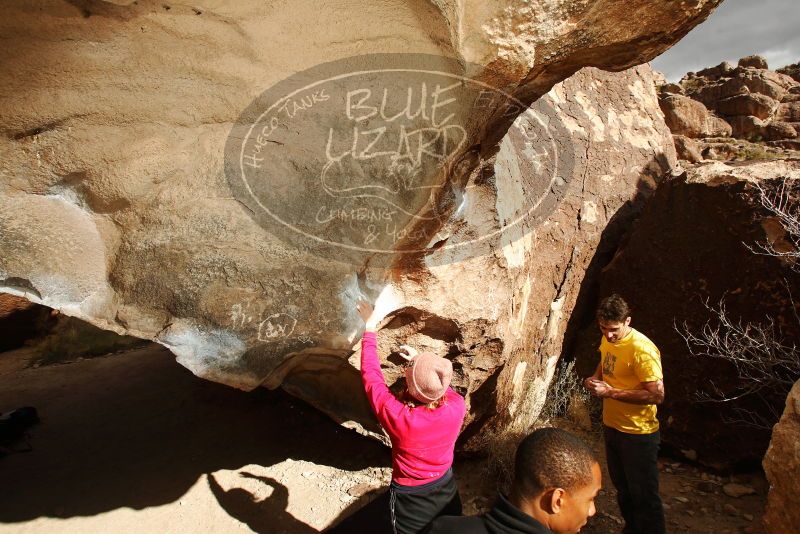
735 29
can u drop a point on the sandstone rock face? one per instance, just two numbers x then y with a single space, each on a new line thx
782 465
755 61
685 116
791 70
723 69
746 126
690 247
720 151
117 202
687 149
534 277
673 88
776 130
740 81
756 106
719 127
789 111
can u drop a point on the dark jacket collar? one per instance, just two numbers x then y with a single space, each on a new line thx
507 518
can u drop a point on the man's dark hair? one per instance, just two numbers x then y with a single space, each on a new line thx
613 309
551 458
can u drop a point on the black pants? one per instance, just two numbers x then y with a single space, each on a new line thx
633 466
413 507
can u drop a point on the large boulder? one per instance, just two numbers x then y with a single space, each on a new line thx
671 88
694 249
765 82
687 149
755 61
792 71
753 104
131 127
723 69
746 127
686 116
789 111
782 466
710 93
505 347
777 130
710 90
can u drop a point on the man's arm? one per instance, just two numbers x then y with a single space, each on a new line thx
646 393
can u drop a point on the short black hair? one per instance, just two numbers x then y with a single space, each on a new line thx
613 309
551 458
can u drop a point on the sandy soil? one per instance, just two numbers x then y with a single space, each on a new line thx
132 442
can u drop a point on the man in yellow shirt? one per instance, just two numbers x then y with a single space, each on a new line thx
629 379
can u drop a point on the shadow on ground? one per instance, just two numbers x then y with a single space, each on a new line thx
138 430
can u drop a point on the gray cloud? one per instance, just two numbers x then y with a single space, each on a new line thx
737 28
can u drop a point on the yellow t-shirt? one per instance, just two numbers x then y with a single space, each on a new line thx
625 364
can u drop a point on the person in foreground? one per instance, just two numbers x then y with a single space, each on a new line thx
422 424
629 379
556 479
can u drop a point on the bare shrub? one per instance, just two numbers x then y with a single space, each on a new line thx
766 363
568 404
783 204
567 398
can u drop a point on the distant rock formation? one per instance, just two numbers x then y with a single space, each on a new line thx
792 70
753 111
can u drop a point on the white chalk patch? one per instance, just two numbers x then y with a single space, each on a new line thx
589 212
509 204
554 318
613 125
277 325
598 128
202 351
388 301
461 207
523 309
572 125
516 380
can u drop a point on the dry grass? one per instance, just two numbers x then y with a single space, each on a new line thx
756 153
72 339
568 406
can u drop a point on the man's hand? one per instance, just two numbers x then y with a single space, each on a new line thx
598 387
588 383
646 393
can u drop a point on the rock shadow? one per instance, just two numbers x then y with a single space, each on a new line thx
137 430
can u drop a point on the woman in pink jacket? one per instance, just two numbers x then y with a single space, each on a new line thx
423 424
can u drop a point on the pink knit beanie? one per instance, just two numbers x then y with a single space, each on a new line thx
428 377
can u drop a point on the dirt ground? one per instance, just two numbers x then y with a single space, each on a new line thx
693 499
133 442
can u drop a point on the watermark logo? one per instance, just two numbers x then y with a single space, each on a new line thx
362 159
